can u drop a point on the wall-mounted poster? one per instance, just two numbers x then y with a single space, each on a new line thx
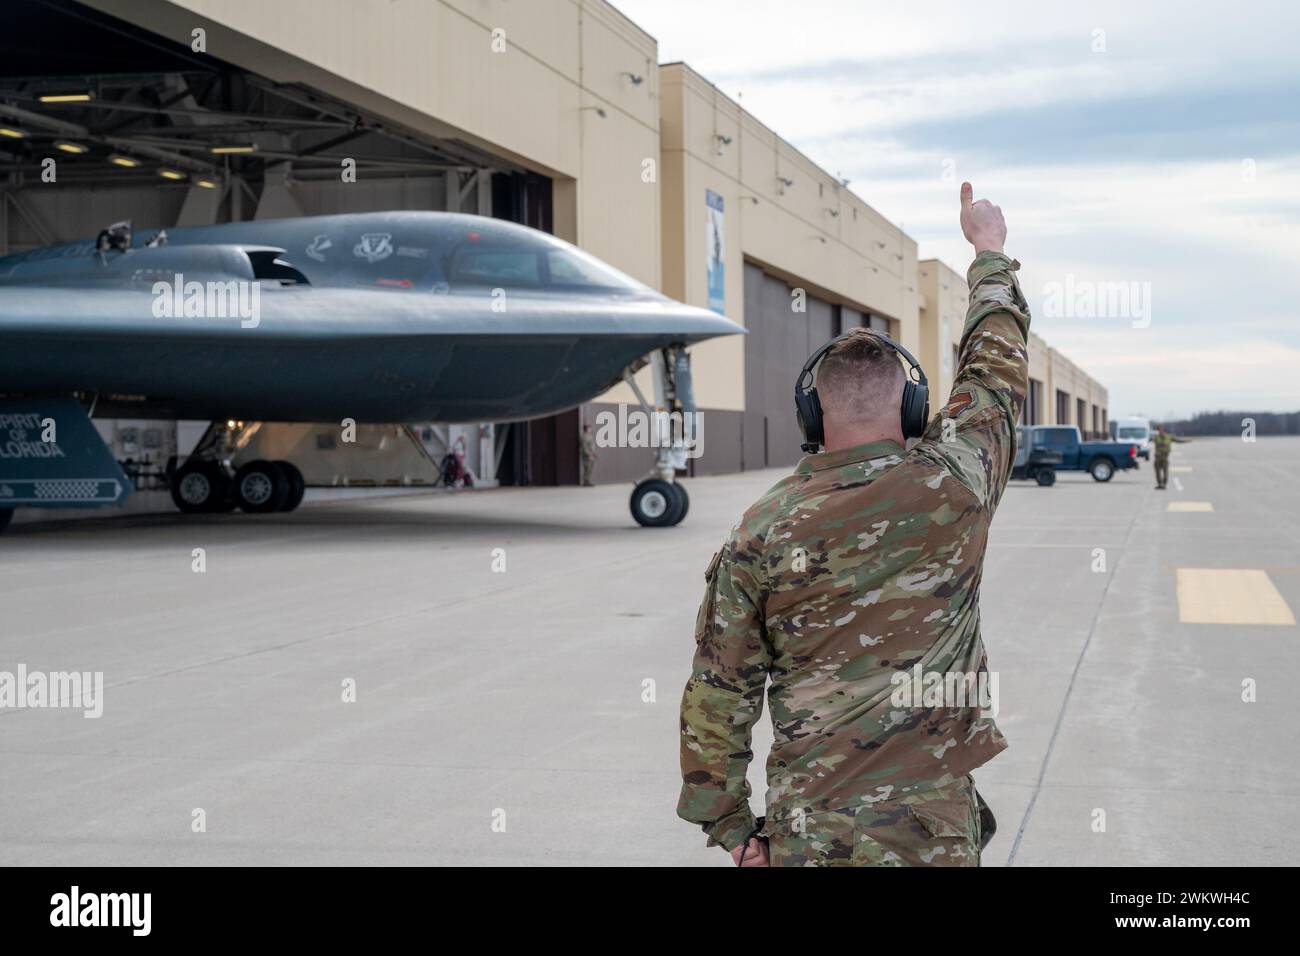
717 253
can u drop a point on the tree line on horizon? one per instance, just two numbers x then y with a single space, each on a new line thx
1208 424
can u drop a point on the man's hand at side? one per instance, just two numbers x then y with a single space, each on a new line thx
982 223
755 853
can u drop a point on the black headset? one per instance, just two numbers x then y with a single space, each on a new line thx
808 407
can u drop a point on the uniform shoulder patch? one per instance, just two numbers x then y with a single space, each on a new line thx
958 402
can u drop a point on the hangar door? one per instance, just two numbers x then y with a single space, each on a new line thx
780 340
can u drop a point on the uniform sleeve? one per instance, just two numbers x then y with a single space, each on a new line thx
975 433
724 697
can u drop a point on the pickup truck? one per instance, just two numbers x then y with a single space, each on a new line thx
1101 459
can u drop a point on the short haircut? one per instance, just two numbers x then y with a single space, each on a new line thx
860 380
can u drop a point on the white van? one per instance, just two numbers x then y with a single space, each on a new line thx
1136 430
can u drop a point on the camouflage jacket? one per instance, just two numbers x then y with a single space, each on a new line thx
864 563
1164 442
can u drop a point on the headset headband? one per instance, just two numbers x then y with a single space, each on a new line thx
816 357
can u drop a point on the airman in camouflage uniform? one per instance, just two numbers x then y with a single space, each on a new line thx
1164 442
861 565
587 452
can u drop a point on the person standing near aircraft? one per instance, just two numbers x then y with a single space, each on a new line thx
1164 442
587 449
864 565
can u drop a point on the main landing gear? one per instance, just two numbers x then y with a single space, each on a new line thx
207 482
659 500
259 487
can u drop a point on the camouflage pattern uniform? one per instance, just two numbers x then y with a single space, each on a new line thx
863 563
1164 442
587 449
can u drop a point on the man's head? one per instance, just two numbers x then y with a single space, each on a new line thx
1160 429
860 385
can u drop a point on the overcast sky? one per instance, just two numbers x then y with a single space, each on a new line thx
1154 144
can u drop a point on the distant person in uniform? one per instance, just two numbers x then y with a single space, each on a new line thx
863 567
1164 442
587 448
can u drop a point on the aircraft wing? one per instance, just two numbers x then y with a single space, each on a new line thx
261 350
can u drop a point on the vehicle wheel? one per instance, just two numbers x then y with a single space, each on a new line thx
297 485
6 516
200 486
1102 469
655 504
1046 477
261 487
684 501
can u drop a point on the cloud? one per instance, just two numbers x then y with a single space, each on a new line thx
1171 158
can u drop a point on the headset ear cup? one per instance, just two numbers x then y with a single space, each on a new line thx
808 410
916 409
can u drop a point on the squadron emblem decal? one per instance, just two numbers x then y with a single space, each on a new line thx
318 246
374 246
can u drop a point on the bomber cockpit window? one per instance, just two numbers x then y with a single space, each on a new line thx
495 266
532 266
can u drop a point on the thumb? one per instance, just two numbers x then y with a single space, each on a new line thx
966 193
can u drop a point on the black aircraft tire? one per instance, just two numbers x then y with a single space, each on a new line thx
261 487
1046 477
655 504
685 501
199 487
297 485
6 516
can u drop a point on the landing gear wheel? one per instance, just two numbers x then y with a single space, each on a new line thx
297 485
199 487
261 487
1046 477
6 515
1102 469
684 499
655 504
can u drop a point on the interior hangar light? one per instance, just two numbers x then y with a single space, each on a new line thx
66 96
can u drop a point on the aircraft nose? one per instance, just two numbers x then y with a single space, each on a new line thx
698 324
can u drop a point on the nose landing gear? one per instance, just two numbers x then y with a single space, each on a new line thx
659 500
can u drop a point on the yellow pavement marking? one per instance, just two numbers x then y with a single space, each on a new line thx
1230 596
1182 468
1190 506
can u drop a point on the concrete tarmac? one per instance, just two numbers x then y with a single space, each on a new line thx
526 712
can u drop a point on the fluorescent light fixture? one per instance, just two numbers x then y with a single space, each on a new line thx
234 149
74 148
11 133
80 96
170 174
124 161
206 183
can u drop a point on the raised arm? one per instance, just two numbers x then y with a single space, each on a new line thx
974 434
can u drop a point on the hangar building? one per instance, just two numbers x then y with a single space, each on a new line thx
552 113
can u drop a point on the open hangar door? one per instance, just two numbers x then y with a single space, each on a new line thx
780 340
145 130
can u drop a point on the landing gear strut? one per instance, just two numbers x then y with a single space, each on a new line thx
206 484
659 500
